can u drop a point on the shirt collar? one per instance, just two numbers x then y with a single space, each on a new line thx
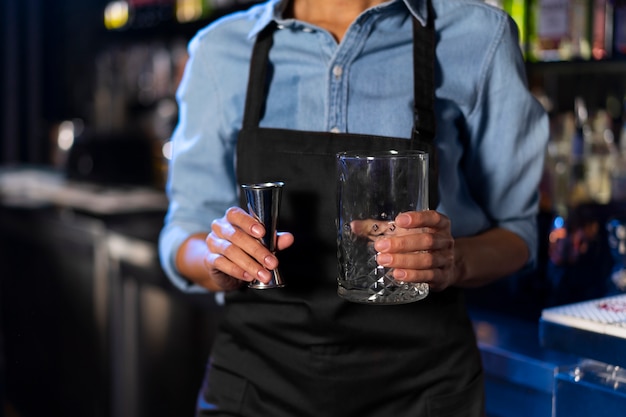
273 11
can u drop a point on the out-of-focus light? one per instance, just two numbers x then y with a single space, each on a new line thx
66 135
558 222
167 108
116 14
190 10
557 234
167 150
608 136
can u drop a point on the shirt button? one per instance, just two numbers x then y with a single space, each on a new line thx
337 71
335 130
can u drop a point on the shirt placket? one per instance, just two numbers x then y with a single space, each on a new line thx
338 73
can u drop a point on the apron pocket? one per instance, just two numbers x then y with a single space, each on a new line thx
468 402
223 392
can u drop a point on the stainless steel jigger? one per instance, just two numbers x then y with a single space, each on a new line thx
263 204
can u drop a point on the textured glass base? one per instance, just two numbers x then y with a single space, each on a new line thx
383 292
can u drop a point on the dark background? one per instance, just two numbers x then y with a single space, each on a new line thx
83 334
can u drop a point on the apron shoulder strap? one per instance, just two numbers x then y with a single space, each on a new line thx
257 78
424 123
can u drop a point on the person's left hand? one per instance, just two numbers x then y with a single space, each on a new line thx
424 256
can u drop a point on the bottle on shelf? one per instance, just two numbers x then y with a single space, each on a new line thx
601 158
593 156
619 27
559 30
618 175
557 165
602 29
579 150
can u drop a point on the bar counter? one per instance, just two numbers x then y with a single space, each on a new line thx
595 330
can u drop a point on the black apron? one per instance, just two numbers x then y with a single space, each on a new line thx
302 350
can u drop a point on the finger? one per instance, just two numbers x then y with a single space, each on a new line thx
427 218
248 244
284 240
437 279
227 281
415 260
428 276
221 263
408 243
415 242
236 261
244 221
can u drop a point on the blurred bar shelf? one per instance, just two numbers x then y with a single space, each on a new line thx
38 187
80 271
608 66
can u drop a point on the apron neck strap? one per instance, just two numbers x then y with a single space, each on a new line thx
258 80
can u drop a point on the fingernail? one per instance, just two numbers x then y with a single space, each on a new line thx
264 275
403 220
270 262
257 230
383 259
382 245
399 274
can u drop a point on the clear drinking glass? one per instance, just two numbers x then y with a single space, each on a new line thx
372 189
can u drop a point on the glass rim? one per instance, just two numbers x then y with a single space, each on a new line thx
263 185
390 153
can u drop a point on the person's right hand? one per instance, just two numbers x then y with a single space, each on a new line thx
236 253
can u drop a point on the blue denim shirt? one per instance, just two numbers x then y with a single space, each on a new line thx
491 133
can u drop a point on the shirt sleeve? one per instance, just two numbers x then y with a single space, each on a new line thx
201 180
509 132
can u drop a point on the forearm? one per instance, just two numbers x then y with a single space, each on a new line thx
488 257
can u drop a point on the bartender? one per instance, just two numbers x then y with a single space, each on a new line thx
273 93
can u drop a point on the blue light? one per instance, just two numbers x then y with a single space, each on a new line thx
558 222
